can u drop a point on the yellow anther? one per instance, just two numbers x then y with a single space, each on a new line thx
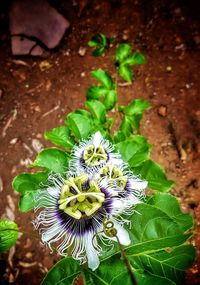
64 192
81 198
94 187
101 198
95 207
74 214
83 207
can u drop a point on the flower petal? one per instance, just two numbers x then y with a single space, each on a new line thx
138 184
92 254
97 139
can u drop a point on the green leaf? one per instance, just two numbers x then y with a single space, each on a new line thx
122 52
136 121
135 111
28 182
104 77
119 137
125 72
60 136
168 204
53 159
157 249
155 175
126 126
8 234
27 201
97 109
168 264
105 275
95 41
82 112
63 273
27 185
105 40
110 100
101 42
96 92
80 125
135 58
137 106
134 150
98 52
154 230
144 278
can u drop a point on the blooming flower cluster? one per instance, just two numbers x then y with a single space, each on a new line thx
97 190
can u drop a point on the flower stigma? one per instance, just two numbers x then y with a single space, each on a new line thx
80 197
94 155
114 175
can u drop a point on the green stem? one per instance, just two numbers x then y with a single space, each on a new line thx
127 263
116 105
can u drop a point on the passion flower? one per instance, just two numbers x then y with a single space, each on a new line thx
90 202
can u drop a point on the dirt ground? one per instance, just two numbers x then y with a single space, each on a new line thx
33 100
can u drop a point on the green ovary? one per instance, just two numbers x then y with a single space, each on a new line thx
114 175
94 155
78 203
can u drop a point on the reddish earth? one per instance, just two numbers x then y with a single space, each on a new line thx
34 100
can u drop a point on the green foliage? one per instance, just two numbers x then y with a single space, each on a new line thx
125 59
60 136
8 234
27 185
135 150
103 77
155 175
137 106
133 114
52 159
106 90
100 42
158 252
63 273
97 109
79 124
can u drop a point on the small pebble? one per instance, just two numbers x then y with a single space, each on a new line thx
82 74
26 162
162 111
82 51
37 145
183 154
169 69
125 37
29 255
44 65
67 52
13 141
39 136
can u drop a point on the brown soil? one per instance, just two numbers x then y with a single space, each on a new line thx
33 101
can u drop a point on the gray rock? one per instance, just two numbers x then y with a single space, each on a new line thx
35 26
